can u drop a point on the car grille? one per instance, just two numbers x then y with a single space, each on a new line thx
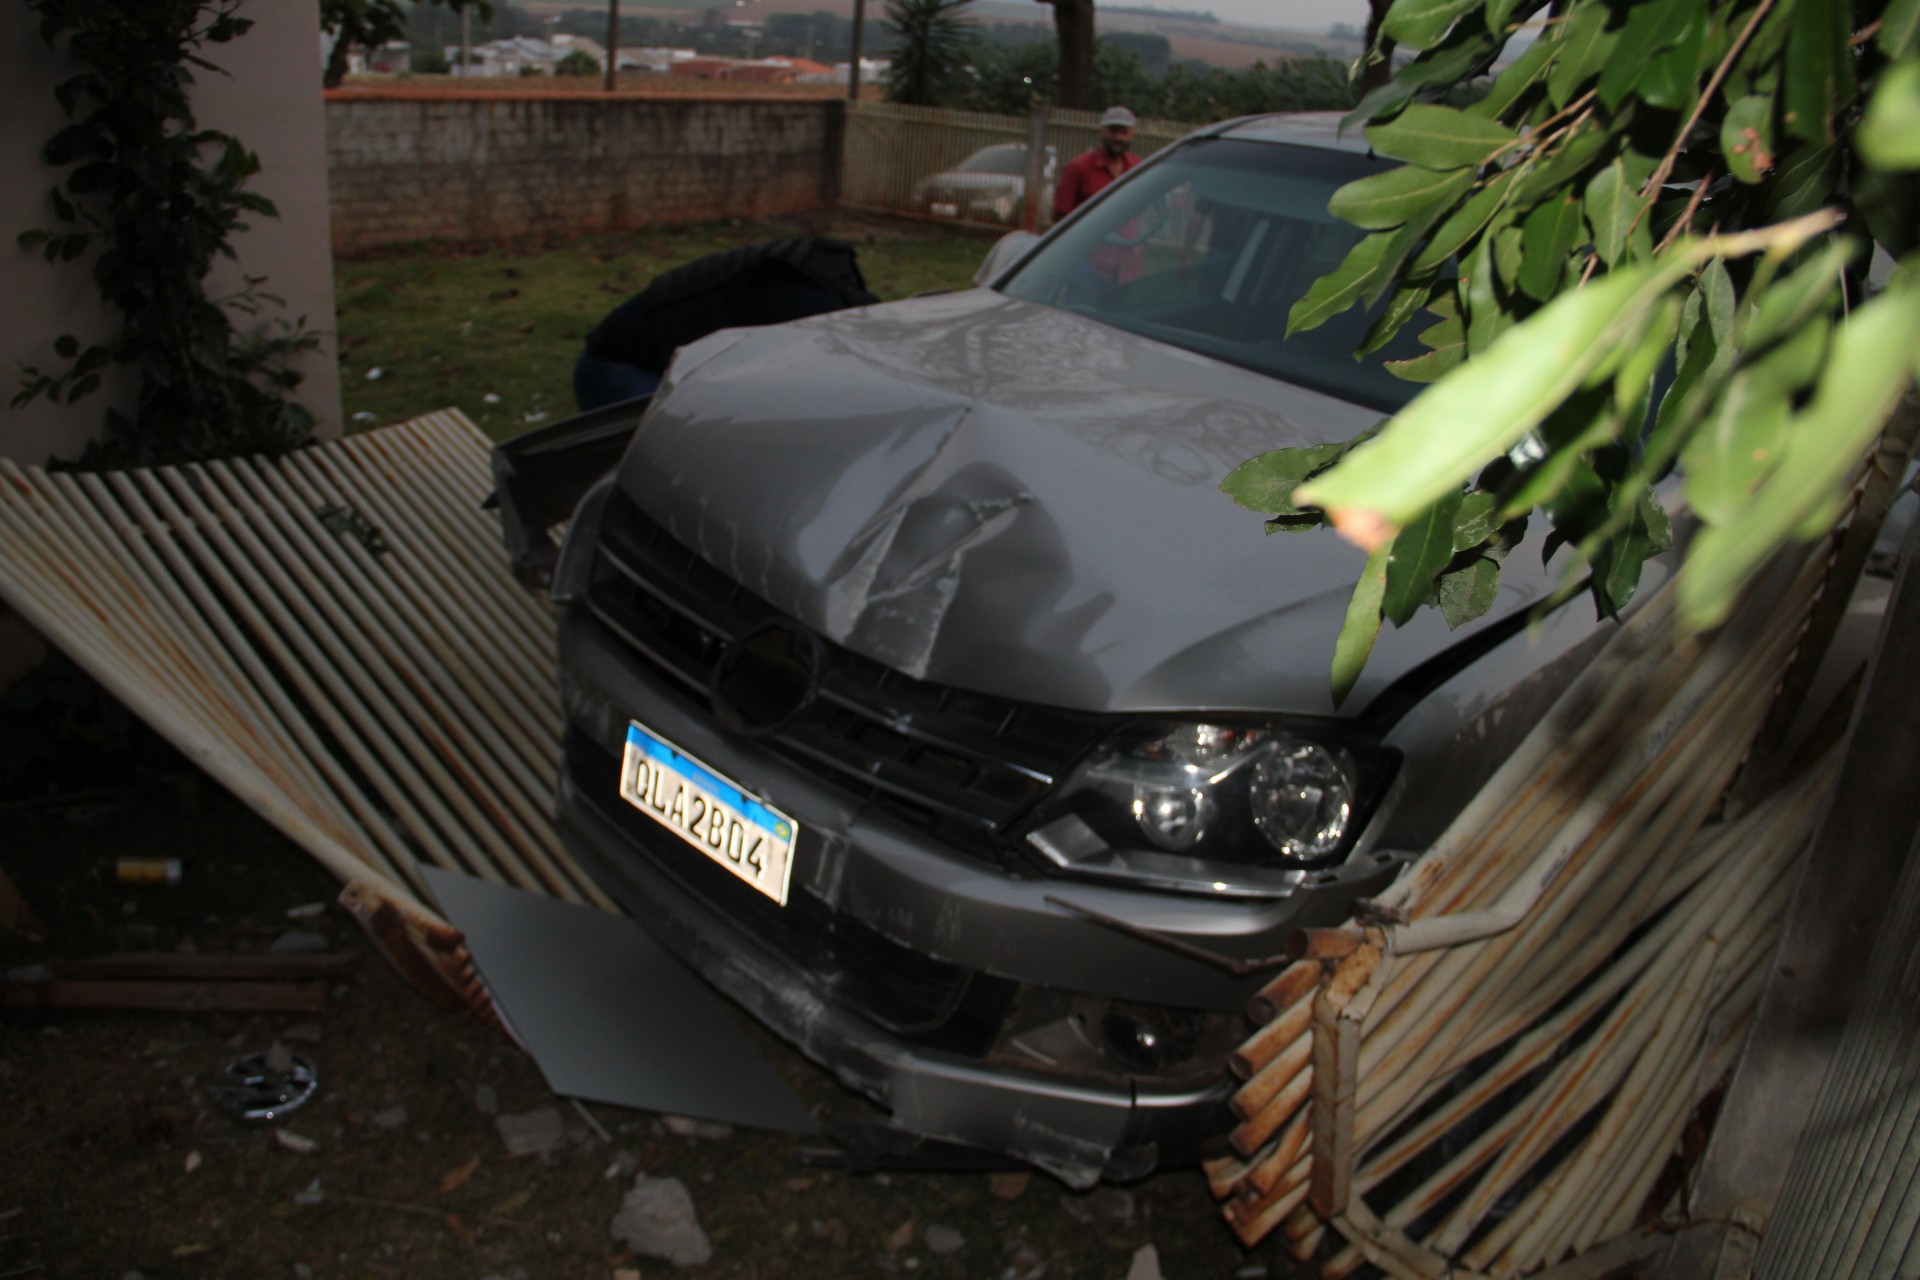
913 996
961 763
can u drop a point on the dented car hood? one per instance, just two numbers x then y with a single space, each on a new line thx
1016 500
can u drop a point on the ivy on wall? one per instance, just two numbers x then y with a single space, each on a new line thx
156 200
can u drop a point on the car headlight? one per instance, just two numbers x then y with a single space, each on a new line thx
1211 808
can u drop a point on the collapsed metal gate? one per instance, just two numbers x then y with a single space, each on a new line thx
1486 1071
1482 1075
336 638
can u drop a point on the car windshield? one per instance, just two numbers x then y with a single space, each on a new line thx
1209 247
1008 159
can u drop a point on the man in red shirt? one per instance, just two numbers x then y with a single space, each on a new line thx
1090 173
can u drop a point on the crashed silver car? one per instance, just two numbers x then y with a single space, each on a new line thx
925 695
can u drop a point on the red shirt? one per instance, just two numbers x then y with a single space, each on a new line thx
1084 177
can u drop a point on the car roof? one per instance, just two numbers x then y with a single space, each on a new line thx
1302 128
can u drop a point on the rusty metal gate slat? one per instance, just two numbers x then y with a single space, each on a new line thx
334 636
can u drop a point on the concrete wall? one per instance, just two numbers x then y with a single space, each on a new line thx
405 168
271 101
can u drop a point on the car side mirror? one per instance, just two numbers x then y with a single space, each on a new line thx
1006 251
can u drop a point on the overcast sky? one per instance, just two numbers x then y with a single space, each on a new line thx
1302 15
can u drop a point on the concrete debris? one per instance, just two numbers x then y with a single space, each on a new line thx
531 1133
1010 1186
687 1127
1146 1264
624 1163
657 1219
942 1241
311 1195
306 910
1023 1264
394 1117
192 1162
299 1144
301 1271
298 940
1103 1206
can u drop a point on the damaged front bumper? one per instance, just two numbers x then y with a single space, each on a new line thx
953 993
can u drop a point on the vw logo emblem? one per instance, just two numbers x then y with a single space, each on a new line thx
766 677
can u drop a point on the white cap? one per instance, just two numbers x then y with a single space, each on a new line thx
1118 116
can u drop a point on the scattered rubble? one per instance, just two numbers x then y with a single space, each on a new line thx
297 1143
657 1219
1102 1206
394 1117
532 1133
1146 1264
688 1127
1010 1186
943 1241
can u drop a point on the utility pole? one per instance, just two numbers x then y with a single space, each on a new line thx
613 43
853 72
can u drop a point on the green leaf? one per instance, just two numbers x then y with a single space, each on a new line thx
1746 138
1889 133
1557 171
1341 287
1469 591
1795 361
1815 71
1453 428
1385 200
1361 627
1552 230
1466 221
1614 210
1519 76
1416 558
1870 367
1803 182
1475 521
1584 50
1900 29
1671 79
1649 29
1790 303
1266 483
1617 563
1487 318
1466 51
1439 137
1446 347
1407 300
1419 23
1501 12
1736 448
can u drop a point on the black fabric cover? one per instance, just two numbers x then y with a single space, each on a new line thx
755 285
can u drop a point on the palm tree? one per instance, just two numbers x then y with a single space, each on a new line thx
932 49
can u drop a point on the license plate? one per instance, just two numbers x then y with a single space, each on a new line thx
714 815
945 209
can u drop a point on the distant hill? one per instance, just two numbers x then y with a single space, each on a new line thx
1200 37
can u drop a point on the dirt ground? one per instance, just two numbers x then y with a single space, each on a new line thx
115 1160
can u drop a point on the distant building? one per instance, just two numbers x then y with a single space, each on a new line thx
518 55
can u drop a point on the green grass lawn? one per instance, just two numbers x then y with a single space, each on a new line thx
493 330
